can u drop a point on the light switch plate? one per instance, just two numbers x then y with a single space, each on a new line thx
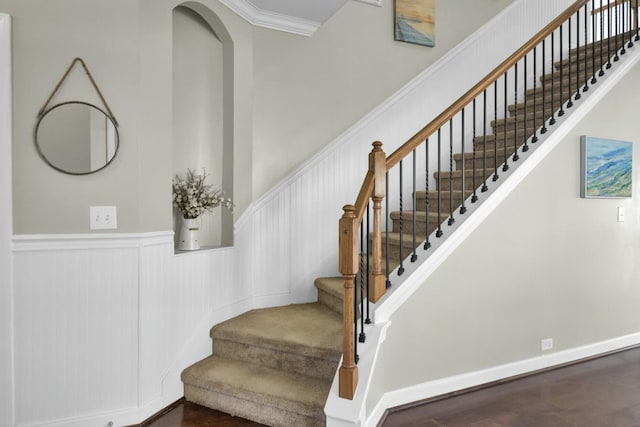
620 214
103 218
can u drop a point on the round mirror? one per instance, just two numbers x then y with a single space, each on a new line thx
76 137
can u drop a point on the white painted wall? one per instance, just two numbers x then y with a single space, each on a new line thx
6 266
308 91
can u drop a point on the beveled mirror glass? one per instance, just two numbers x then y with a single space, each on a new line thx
76 137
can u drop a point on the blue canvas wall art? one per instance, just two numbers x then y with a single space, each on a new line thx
606 167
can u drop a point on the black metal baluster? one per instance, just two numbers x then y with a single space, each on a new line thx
553 80
594 80
543 130
451 219
570 102
386 230
365 278
616 58
534 138
474 198
577 95
484 143
630 24
414 256
427 243
586 49
357 282
495 131
463 207
609 27
505 165
369 233
622 23
439 185
515 119
561 112
602 65
525 147
401 267
637 21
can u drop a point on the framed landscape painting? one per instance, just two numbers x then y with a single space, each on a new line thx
415 21
606 168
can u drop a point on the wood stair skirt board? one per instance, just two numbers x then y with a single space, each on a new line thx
275 366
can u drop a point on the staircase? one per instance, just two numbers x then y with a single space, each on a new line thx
276 365
491 150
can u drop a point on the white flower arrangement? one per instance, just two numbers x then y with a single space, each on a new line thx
193 197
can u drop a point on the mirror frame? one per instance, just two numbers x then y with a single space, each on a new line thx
108 116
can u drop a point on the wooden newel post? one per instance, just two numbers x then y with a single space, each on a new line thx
348 263
377 166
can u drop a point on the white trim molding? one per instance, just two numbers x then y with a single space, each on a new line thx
271 20
6 272
472 379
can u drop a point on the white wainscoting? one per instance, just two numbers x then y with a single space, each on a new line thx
6 328
104 324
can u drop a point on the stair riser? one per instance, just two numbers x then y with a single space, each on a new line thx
550 107
273 358
334 303
394 251
433 196
421 226
446 184
490 163
255 411
607 49
577 71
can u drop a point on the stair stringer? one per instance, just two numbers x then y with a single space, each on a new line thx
367 410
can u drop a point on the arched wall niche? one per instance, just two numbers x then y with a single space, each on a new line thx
203 105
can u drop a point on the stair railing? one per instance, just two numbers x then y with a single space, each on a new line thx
542 79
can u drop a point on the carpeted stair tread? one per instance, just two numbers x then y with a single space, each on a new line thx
309 329
265 386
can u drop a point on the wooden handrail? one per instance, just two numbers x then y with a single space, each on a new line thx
475 91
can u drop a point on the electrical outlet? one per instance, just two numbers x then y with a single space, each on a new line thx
103 218
546 344
620 214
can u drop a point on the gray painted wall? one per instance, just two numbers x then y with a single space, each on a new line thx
545 264
302 92
309 91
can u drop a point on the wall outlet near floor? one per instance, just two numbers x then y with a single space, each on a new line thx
102 218
546 344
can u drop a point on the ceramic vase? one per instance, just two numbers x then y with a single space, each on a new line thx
189 234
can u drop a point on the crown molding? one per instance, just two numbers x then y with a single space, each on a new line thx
271 20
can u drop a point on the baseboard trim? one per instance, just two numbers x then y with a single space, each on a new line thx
456 385
161 413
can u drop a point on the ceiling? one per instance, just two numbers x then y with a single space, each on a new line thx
302 17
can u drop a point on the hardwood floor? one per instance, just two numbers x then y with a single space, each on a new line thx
600 392
189 414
